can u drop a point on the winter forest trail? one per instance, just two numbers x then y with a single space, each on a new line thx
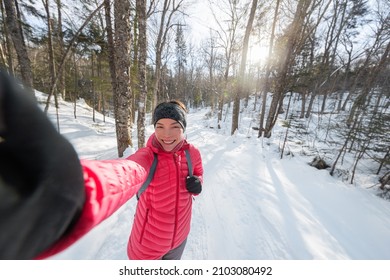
254 206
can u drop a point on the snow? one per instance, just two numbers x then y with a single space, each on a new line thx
254 205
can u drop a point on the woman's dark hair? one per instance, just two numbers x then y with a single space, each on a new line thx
180 104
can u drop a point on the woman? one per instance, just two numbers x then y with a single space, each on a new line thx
49 198
163 216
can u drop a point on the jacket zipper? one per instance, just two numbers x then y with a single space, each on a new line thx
175 157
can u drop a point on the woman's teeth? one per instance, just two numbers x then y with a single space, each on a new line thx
168 142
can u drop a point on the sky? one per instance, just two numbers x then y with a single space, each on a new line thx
254 205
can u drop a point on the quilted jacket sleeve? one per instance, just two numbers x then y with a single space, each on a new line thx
108 185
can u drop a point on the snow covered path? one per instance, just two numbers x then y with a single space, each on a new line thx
253 205
256 206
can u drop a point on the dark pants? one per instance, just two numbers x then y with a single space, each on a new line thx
175 254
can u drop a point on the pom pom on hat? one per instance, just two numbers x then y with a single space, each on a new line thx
171 110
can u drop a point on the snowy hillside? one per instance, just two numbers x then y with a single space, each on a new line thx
254 204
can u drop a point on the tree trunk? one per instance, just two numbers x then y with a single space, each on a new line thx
142 85
343 148
369 83
123 94
61 49
110 47
51 57
8 46
268 71
303 104
50 43
241 76
159 48
292 39
64 57
165 26
15 29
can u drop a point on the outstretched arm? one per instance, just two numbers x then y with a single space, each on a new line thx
41 179
48 198
108 185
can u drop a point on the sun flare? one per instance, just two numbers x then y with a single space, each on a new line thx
257 54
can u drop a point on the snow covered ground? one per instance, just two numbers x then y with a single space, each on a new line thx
254 205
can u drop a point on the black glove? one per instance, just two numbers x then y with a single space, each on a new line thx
193 184
41 182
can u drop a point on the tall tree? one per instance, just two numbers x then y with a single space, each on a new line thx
71 44
241 75
268 70
61 48
210 56
110 46
50 48
8 44
123 94
15 29
292 37
166 22
228 42
142 83
180 63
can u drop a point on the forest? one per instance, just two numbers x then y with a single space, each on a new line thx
125 56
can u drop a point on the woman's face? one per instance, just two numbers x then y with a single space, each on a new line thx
169 133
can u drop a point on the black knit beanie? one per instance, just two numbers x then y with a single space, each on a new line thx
170 110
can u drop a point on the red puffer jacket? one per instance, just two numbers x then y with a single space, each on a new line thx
163 215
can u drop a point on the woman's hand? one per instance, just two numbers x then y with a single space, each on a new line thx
193 185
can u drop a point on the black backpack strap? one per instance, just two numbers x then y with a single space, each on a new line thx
150 177
189 163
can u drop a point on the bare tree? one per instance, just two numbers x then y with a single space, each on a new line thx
381 33
166 22
65 55
110 45
142 83
15 29
52 70
209 49
241 75
227 37
292 40
268 70
60 47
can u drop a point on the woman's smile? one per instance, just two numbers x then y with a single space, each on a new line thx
169 133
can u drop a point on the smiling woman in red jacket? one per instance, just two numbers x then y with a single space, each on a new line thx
60 198
163 216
